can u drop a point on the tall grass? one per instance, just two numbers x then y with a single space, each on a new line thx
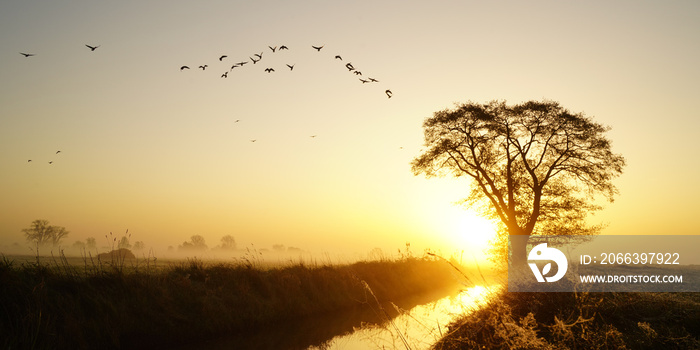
582 320
117 304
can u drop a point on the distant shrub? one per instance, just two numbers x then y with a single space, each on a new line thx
116 255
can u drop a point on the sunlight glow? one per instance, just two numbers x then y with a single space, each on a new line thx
469 231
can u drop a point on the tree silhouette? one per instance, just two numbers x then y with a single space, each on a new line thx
196 243
228 242
535 167
41 233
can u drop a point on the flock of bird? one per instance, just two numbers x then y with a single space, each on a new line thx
257 57
50 162
254 59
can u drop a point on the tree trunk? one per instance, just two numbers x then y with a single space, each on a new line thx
518 246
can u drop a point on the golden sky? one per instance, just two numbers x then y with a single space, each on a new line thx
149 148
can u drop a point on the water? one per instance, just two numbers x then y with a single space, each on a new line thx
417 328
414 323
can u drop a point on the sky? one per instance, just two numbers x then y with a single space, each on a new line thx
167 153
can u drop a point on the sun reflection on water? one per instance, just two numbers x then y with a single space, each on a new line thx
417 328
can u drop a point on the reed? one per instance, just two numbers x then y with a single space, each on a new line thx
117 304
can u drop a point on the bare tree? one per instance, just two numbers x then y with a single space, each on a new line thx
534 167
41 233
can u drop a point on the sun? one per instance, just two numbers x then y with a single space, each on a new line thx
468 231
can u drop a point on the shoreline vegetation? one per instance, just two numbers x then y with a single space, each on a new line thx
583 320
58 303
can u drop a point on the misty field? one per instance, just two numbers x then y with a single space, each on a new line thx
81 303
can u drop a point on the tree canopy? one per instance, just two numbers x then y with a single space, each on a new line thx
535 167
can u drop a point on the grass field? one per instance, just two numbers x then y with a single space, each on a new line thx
61 302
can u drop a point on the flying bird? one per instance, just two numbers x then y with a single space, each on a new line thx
389 93
312 136
349 66
57 152
373 80
259 56
222 57
337 57
242 63
318 48
204 66
284 47
26 54
273 48
184 67
237 120
225 75
92 48
51 162
253 140
29 160
357 72
269 70
364 81
254 60
291 67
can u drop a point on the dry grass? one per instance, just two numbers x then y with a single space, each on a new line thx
57 304
580 321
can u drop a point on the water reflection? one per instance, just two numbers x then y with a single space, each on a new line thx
417 328
418 321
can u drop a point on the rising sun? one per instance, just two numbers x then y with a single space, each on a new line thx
469 232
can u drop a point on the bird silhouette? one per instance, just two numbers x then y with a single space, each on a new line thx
27 54
259 56
373 80
225 75
357 72
51 162
291 67
273 48
313 136
29 160
57 152
204 66
349 66
92 48
269 70
364 81
184 67
237 120
388 93
242 63
253 140
283 47
234 66
222 57
337 57
318 48
254 60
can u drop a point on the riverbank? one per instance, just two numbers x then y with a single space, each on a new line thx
61 305
579 321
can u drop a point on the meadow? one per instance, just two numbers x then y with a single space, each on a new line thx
81 303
